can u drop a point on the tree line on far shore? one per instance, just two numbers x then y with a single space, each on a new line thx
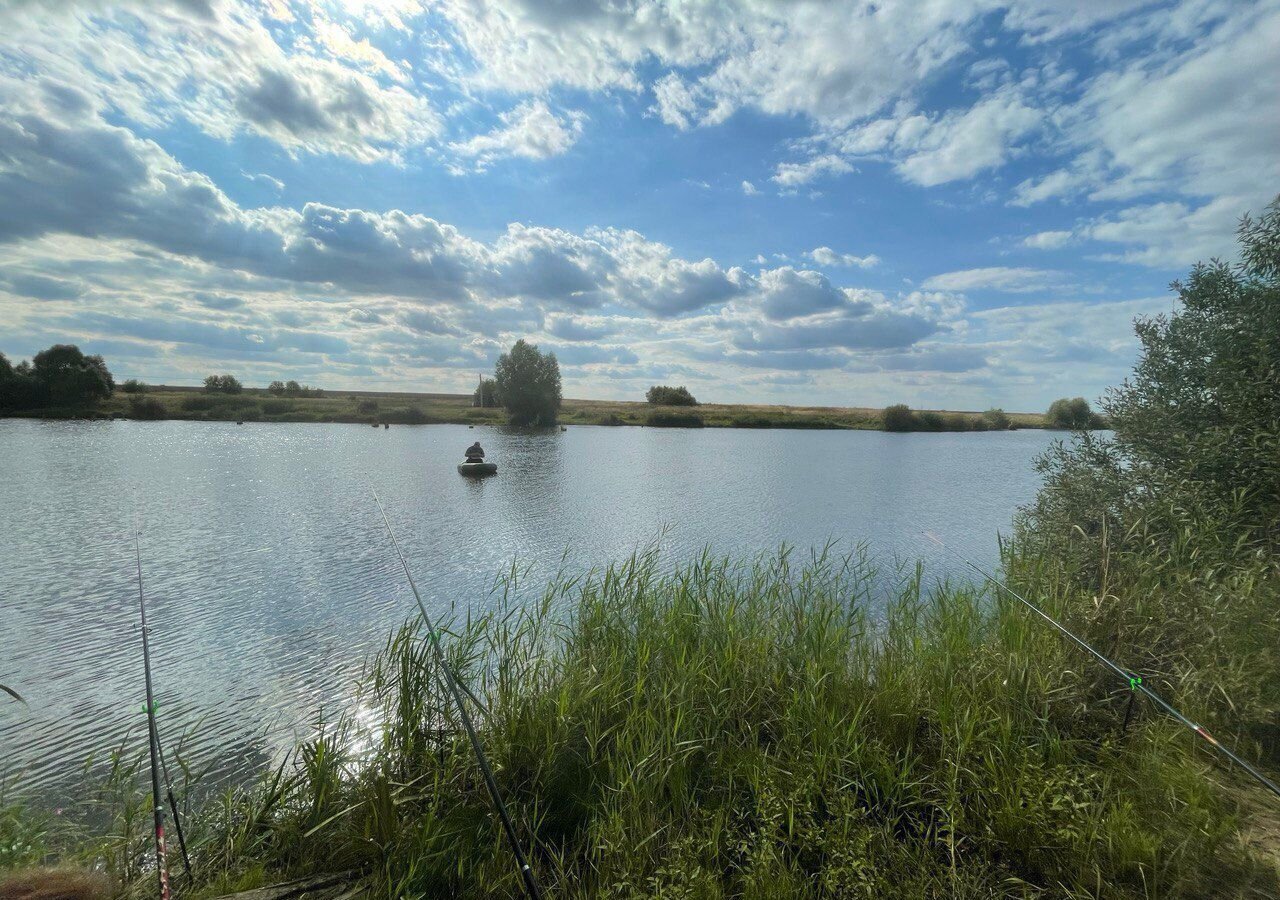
526 382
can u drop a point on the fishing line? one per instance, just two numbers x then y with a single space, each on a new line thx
455 688
1133 680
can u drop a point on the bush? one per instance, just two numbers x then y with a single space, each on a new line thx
899 418
367 407
134 386
931 421
662 395
1074 414
222 384
1163 535
997 419
529 384
197 404
277 407
410 415
665 419
486 394
148 408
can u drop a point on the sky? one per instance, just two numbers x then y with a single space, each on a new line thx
942 203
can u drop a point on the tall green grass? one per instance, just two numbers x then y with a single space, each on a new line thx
788 726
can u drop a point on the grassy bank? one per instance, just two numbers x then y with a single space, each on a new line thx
162 402
733 729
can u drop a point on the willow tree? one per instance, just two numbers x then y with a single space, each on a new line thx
528 382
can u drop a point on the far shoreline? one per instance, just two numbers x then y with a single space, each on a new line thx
169 402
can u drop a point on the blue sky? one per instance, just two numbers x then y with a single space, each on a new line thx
949 204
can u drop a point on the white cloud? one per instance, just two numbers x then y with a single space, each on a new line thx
791 174
1047 240
958 144
529 131
825 256
263 178
749 189
994 278
227 75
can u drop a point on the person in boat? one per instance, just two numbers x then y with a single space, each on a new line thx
475 453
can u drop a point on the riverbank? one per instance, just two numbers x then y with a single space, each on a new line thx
371 407
733 728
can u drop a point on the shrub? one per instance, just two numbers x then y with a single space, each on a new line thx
666 419
1164 533
367 407
147 408
134 386
409 415
1074 414
662 395
997 419
197 404
222 384
277 407
529 384
931 421
956 422
486 393
899 418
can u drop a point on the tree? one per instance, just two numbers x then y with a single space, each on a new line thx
292 388
133 386
899 417
1074 414
1183 498
529 384
276 388
69 378
222 384
997 419
18 388
662 395
485 394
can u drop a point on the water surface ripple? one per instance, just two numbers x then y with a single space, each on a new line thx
269 578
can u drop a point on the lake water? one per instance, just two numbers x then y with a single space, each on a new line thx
269 577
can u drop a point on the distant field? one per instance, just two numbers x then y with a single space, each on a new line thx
376 407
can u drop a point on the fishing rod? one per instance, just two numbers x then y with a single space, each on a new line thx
456 689
157 754
1132 679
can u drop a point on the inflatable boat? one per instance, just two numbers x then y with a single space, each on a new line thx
477 468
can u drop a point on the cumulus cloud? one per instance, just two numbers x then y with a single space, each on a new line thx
227 75
529 131
790 175
825 256
749 189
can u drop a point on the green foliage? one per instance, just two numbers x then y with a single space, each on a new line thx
528 382
277 407
660 418
22 838
486 394
1074 414
367 407
61 376
147 408
780 727
662 395
899 417
997 419
1164 534
134 386
222 384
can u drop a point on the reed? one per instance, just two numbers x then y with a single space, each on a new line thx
794 725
